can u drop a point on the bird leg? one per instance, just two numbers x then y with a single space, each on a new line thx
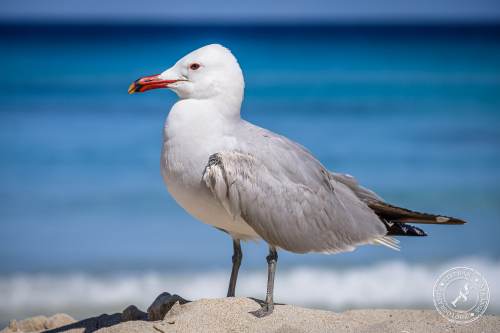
237 256
268 306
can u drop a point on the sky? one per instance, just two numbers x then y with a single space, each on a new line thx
220 11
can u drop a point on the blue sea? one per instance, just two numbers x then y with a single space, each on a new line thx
87 226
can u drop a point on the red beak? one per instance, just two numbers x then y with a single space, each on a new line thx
149 82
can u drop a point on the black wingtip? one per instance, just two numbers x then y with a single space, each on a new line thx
396 214
403 229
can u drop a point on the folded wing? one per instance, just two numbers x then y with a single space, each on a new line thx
320 215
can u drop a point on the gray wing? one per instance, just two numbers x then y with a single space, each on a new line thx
290 199
361 192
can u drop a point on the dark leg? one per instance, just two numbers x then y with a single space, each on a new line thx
268 307
237 255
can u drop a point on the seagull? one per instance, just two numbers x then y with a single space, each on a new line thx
254 184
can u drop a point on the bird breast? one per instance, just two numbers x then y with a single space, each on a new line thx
190 137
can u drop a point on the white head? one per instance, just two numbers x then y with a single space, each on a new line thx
206 73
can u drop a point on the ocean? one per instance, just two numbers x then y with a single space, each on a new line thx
87 226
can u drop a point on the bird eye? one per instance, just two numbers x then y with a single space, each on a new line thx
194 66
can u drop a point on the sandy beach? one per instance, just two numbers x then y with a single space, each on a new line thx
231 315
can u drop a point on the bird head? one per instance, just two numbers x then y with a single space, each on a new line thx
208 72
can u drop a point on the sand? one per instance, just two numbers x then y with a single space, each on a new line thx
231 315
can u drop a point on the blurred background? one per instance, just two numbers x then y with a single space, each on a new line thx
403 95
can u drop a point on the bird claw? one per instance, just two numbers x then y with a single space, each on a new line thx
264 311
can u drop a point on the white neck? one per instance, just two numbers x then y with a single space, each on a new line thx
228 105
201 118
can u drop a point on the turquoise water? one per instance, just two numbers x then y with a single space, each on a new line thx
412 112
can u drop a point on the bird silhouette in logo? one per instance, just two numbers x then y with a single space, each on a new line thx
462 296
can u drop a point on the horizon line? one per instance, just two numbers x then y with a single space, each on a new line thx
251 22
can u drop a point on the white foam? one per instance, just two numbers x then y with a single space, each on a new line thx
389 284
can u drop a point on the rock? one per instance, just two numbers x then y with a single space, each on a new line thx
162 304
89 325
39 323
58 320
133 313
32 324
106 320
13 325
11 328
174 311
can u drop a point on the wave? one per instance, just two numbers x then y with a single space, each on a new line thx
392 284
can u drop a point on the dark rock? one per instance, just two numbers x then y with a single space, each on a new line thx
133 313
162 304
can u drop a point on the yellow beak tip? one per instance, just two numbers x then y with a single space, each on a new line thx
131 89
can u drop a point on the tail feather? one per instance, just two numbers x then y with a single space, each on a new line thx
388 241
396 214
